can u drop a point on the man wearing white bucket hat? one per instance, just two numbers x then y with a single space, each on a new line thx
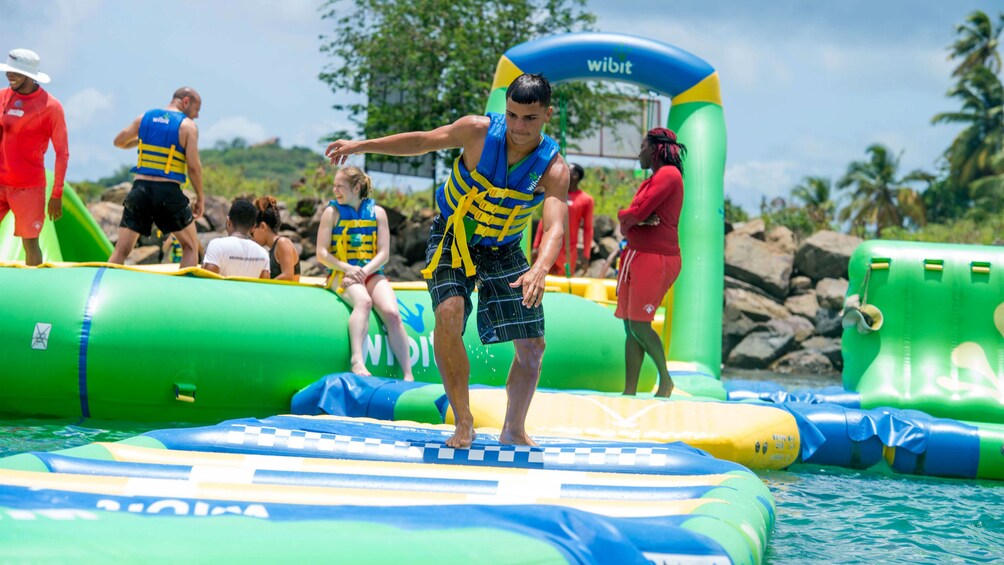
31 119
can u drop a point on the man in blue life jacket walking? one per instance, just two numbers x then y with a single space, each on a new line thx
507 169
167 155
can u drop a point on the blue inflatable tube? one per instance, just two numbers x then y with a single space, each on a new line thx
772 392
912 442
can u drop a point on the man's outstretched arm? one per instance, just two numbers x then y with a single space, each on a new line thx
458 134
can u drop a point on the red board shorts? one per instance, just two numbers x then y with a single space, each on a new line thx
28 205
643 282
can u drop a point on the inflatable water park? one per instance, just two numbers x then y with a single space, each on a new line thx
283 455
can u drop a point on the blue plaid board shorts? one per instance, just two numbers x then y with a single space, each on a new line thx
501 314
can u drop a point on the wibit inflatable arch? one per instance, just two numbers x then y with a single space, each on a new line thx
694 304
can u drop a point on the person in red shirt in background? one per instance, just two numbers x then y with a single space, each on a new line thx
580 213
31 118
650 263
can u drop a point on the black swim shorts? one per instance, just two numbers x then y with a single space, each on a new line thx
501 314
160 202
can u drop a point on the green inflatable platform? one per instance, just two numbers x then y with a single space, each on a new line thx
930 333
121 343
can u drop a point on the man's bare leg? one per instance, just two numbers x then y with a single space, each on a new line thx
454 368
520 386
32 252
123 246
189 240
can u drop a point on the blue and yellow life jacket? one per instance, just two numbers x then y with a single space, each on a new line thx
160 153
354 237
497 201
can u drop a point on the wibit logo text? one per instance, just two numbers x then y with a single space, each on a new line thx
377 349
609 65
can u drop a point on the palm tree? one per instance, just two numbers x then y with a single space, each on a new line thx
977 44
988 192
971 154
879 198
814 194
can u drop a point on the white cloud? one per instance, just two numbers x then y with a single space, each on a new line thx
84 106
746 183
227 129
89 161
309 135
49 28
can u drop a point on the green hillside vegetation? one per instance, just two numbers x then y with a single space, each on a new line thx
235 168
285 168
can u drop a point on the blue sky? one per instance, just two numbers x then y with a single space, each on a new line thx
806 86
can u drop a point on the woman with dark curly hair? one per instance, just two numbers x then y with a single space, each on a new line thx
284 260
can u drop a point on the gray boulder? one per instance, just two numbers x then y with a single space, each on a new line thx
802 361
804 305
781 240
798 326
825 254
754 306
758 349
108 215
799 284
755 262
736 283
754 228
308 248
831 292
144 255
828 346
604 226
828 323
606 246
735 327
311 268
117 193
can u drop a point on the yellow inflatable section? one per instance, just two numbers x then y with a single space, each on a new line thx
757 436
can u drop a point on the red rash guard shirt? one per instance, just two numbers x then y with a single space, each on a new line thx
580 213
662 195
29 122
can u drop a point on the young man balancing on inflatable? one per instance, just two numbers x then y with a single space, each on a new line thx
507 169
167 142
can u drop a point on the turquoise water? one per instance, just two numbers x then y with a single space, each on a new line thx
825 514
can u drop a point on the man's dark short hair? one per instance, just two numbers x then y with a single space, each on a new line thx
243 215
578 169
530 89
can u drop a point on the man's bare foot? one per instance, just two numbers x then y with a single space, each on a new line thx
510 438
408 379
665 392
462 438
361 370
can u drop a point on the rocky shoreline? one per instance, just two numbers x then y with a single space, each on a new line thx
782 298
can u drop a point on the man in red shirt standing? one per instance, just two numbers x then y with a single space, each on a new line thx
31 118
580 214
650 263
